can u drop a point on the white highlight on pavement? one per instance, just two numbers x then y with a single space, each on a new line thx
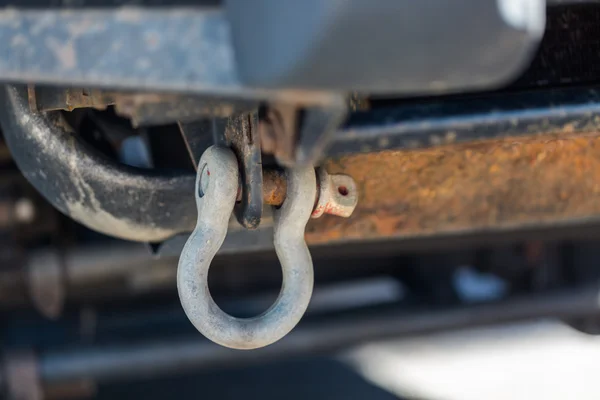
544 360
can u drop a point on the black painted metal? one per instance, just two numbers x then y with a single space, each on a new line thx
243 137
130 203
199 136
241 134
187 46
451 120
317 129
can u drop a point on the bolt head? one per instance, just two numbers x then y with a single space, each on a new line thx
338 195
343 196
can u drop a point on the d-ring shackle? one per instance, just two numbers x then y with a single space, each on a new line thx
216 192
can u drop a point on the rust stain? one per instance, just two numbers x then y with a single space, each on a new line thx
78 98
274 187
462 187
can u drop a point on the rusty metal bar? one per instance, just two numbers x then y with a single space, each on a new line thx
464 188
460 190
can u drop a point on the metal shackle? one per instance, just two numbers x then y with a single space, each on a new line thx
216 192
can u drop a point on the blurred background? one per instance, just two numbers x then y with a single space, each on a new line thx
513 320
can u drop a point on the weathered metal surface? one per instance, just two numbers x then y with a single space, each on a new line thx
142 108
300 136
125 202
200 135
278 132
119 47
129 203
420 123
216 189
45 98
180 49
337 195
568 112
166 108
274 187
317 130
241 134
104 3
490 185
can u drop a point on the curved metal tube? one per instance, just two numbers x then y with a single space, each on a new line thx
216 189
126 202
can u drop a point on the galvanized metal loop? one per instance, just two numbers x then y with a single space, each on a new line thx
216 191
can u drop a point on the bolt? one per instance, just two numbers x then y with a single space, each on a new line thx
337 195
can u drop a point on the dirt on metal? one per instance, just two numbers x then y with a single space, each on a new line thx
274 187
467 187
